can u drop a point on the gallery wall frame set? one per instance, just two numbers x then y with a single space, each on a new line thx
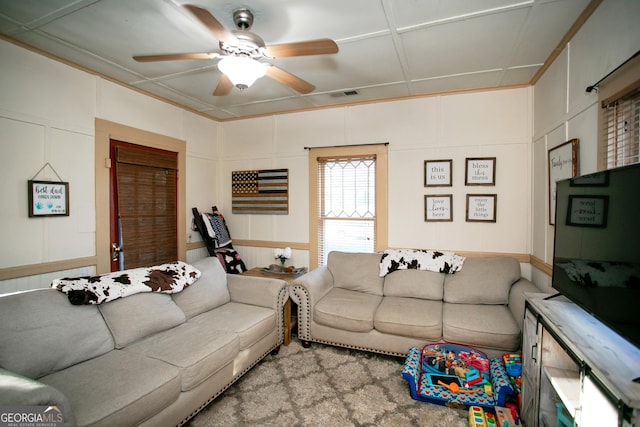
479 207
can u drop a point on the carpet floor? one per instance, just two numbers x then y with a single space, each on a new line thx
325 386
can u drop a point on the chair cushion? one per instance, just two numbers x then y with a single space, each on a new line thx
414 284
214 350
118 388
482 280
490 326
356 271
37 326
208 292
250 322
347 310
138 316
410 317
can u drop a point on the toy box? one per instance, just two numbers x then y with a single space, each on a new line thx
436 374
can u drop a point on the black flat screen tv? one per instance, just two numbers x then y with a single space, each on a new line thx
596 260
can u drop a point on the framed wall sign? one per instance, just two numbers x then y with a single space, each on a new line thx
48 198
438 207
588 211
480 171
437 173
563 164
481 207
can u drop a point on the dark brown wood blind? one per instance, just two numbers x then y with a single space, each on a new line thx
147 205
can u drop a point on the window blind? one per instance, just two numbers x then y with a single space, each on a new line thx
346 205
622 129
146 191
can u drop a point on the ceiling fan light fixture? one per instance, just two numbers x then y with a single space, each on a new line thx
243 71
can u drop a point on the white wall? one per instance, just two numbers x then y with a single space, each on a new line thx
484 124
564 110
47 114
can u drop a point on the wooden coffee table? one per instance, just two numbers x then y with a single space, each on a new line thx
288 324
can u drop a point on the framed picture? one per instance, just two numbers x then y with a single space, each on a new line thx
588 211
480 171
438 207
481 207
48 198
437 173
563 164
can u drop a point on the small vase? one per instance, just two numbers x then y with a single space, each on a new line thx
282 261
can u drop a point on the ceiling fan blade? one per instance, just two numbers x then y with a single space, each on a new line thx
212 24
224 86
289 79
175 56
311 47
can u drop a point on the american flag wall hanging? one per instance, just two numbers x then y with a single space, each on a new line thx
260 192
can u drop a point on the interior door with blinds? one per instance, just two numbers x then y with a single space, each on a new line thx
143 206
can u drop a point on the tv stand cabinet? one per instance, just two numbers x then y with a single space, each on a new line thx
576 371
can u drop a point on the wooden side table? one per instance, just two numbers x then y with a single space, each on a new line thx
259 272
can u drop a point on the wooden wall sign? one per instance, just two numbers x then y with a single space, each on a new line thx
260 192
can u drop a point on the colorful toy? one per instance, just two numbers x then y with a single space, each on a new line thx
507 417
513 363
475 360
474 377
479 418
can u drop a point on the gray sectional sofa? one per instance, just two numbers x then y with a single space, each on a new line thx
147 359
347 303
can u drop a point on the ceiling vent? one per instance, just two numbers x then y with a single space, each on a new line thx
345 93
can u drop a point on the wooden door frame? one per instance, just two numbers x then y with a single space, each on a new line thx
104 132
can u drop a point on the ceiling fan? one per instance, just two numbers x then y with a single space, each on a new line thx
241 51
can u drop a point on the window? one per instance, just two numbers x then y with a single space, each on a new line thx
622 130
619 124
348 194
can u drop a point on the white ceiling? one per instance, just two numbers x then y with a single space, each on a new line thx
387 48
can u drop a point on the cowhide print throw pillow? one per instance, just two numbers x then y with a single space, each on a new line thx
166 278
407 259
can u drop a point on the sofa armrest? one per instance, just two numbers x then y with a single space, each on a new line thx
517 299
261 291
306 291
17 390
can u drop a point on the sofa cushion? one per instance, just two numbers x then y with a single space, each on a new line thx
410 317
199 351
140 315
482 280
356 271
250 322
118 388
347 310
490 326
36 328
208 292
414 284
